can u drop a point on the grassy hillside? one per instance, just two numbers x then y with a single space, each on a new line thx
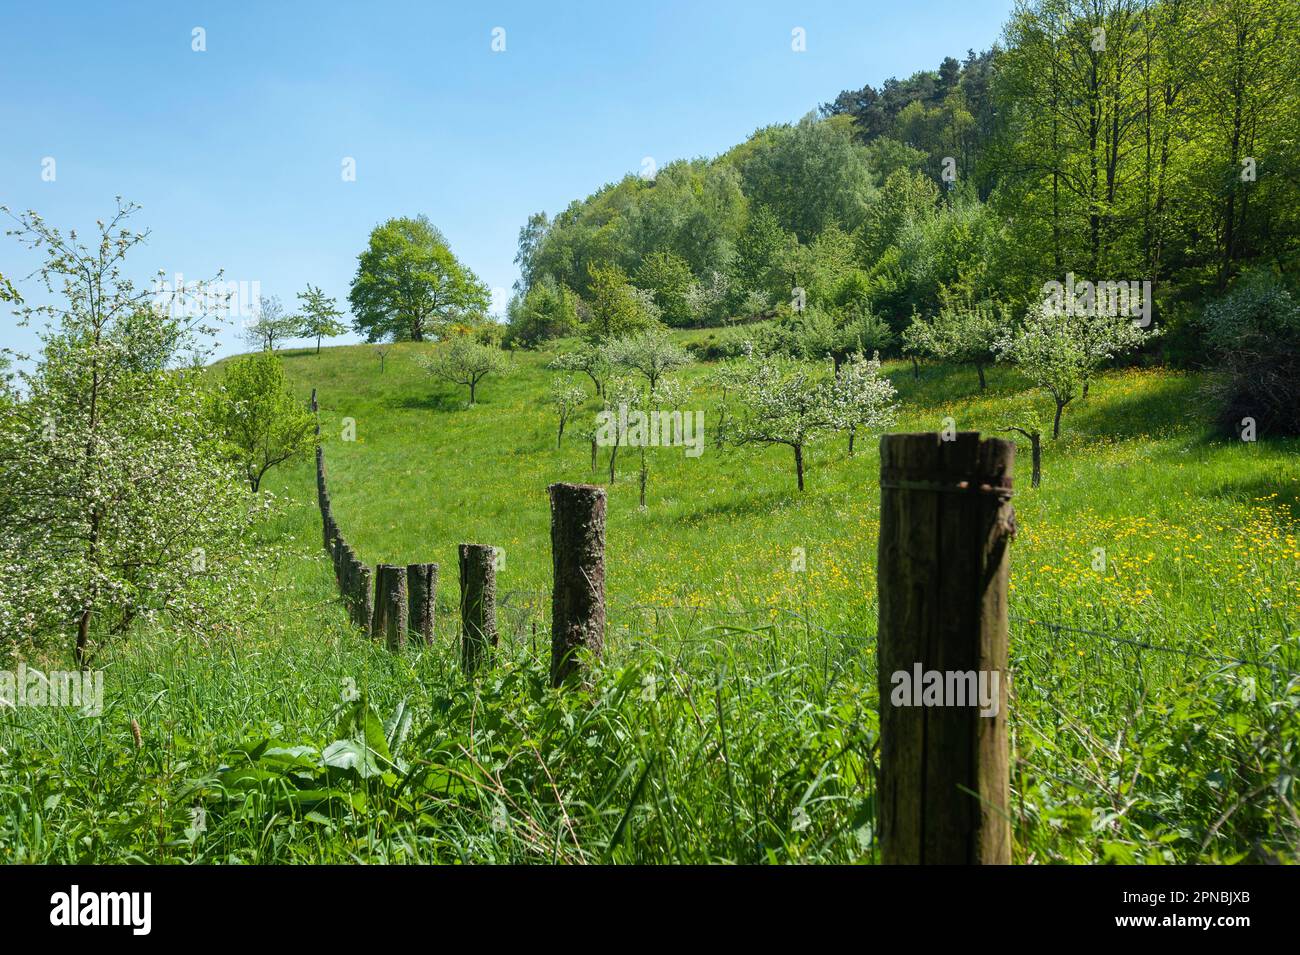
1196 532
734 718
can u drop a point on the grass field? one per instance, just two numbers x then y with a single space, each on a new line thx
1153 700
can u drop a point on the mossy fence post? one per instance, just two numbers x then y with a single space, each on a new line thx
422 589
478 611
390 605
578 577
946 521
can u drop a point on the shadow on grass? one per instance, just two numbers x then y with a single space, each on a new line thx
1158 406
744 507
941 383
1250 491
437 401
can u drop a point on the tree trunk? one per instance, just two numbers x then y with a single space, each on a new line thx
1036 448
980 369
471 392
83 636
853 433
593 454
798 464
613 452
1056 422
578 567
478 604
916 369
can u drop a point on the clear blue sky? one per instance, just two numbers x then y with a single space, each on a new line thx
235 153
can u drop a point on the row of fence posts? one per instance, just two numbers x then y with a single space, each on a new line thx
397 601
946 522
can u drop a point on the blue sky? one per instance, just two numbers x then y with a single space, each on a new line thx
236 153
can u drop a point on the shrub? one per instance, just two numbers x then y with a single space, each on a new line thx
1253 333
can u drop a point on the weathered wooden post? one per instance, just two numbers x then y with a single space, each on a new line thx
365 598
351 587
478 598
422 587
945 524
345 578
327 522
340 550
578 585
322 491
390 605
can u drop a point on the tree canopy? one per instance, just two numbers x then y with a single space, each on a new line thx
410 285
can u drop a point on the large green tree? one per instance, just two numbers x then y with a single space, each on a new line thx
409 284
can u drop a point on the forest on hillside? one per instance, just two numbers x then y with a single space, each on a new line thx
1112 141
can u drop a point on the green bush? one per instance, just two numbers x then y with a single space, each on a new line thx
1253 334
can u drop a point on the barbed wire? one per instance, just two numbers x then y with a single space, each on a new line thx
1056 627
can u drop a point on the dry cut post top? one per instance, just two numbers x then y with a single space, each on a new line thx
965 464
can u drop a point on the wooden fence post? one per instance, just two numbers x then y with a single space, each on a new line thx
339 552
578 584
945 524
345 578
478 598
365 599
422 586
390 605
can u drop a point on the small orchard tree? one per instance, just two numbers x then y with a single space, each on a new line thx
915 341
272 324
621 396
116 501
258 417
862 397
320 316
1058 350
589 433
1023 416
651 353
778 401
566 397
963 334
668 396
590 359
381 352
1106 337
464 361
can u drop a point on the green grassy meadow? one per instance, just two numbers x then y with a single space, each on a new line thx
733 718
